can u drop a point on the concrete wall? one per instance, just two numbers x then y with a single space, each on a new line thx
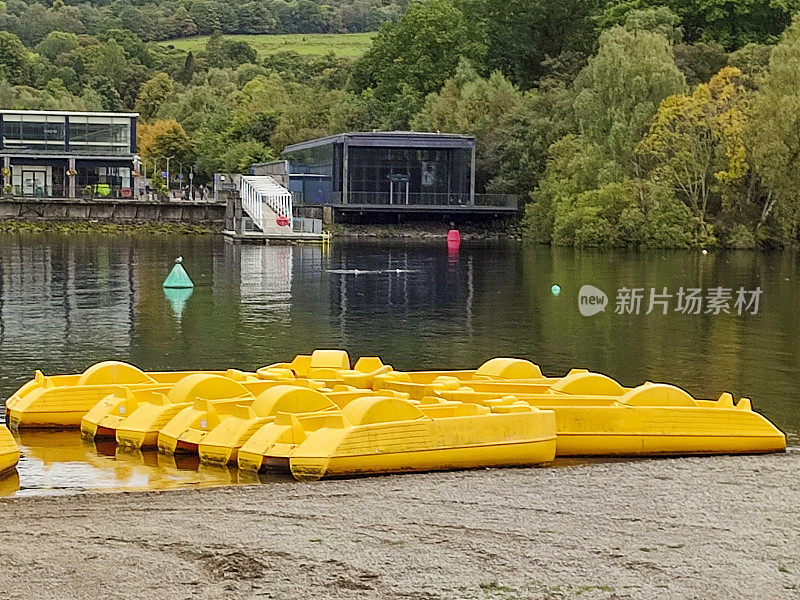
113 211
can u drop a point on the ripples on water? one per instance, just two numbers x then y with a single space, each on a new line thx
68 301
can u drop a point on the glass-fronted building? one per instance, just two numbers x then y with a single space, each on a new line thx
68 154
382 168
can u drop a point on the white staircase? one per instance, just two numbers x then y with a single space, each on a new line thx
265 200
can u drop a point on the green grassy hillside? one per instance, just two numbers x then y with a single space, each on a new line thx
348 45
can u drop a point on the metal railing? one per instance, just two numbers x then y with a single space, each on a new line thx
260 192
305 225
401 199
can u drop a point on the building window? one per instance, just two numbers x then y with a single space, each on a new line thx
105 182
100 136
34 133
429 176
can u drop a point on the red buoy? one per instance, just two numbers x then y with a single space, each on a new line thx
282 221
453 238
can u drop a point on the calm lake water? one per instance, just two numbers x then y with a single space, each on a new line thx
68 301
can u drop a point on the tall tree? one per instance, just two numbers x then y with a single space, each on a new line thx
15 61
471 104
414 57
153 94
774 135
621 88
522 34
57 43
730 23
696 144
164 138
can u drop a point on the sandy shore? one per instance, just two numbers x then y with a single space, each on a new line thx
726 527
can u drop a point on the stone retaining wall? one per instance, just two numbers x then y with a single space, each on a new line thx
113 211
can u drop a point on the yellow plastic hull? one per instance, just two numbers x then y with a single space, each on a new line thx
187 429
135 417
389 435
61 401
221 446
521 454
9 451
650 419
643 430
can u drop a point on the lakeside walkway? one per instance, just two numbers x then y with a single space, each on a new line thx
683 528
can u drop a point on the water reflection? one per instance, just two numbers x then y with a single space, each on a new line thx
60 461
68 301
178 297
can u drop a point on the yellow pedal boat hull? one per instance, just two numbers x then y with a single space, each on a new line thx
135 417
61 401
374 435
9 451
650 419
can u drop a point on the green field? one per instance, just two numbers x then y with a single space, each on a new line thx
348 45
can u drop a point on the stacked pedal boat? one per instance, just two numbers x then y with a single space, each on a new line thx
317 416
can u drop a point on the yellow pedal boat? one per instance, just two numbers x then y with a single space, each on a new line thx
373 435
221 443
331 367
134 417
594 419
61 401
9 451
505 375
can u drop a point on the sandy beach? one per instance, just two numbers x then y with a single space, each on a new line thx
719 527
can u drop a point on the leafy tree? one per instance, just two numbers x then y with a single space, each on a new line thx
14 59
616 95
620 90
221 52
132 45
180 24
700 61
240 53
520 144
108 60
187 71
57 43
472 105
164 138
205 16
752 60
108 94
254 18
696 144
774 136
240 156
521 34
416 56
153 94
731 24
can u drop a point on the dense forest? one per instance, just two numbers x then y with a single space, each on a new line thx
637 123
32 20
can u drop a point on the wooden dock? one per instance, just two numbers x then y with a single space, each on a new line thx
276 238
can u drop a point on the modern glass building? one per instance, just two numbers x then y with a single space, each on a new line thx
68 154
391 169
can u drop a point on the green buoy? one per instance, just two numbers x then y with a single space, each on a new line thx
178 297
178 278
